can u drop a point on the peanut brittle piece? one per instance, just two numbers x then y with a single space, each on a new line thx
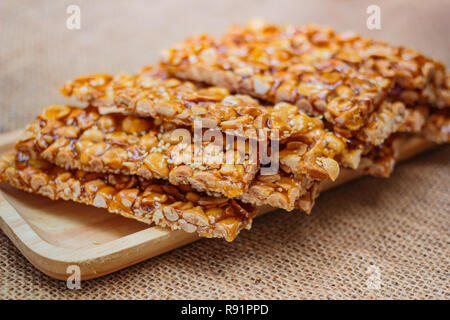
115 143
75 138
282 191
184 103
379 161
383 122
342 76
149 201
313 155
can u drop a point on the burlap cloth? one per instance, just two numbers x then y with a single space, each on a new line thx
372 238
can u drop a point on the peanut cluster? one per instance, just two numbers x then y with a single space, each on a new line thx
183 103
82 139
344 77
149 201
75 138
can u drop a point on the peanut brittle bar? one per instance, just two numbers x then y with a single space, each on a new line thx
75 138
287 191
383 122
175 101
115 143
82 139
344 77
282 191
150 201
183 103
380 160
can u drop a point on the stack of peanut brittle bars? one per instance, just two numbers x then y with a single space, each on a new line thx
222 126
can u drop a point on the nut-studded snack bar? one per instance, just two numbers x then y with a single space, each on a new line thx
382 123
62 134
380 160
115 143
75 138
183 103
164 94
282 191
344 77
149 201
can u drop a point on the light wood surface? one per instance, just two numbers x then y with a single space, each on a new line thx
54 235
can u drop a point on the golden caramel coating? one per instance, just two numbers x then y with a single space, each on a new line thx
342 76
282 191
184 103
150 201
130 145
307 158
383 122
82 139
75 138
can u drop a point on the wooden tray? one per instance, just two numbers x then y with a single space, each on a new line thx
53 235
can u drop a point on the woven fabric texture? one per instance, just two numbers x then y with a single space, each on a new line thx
372 238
